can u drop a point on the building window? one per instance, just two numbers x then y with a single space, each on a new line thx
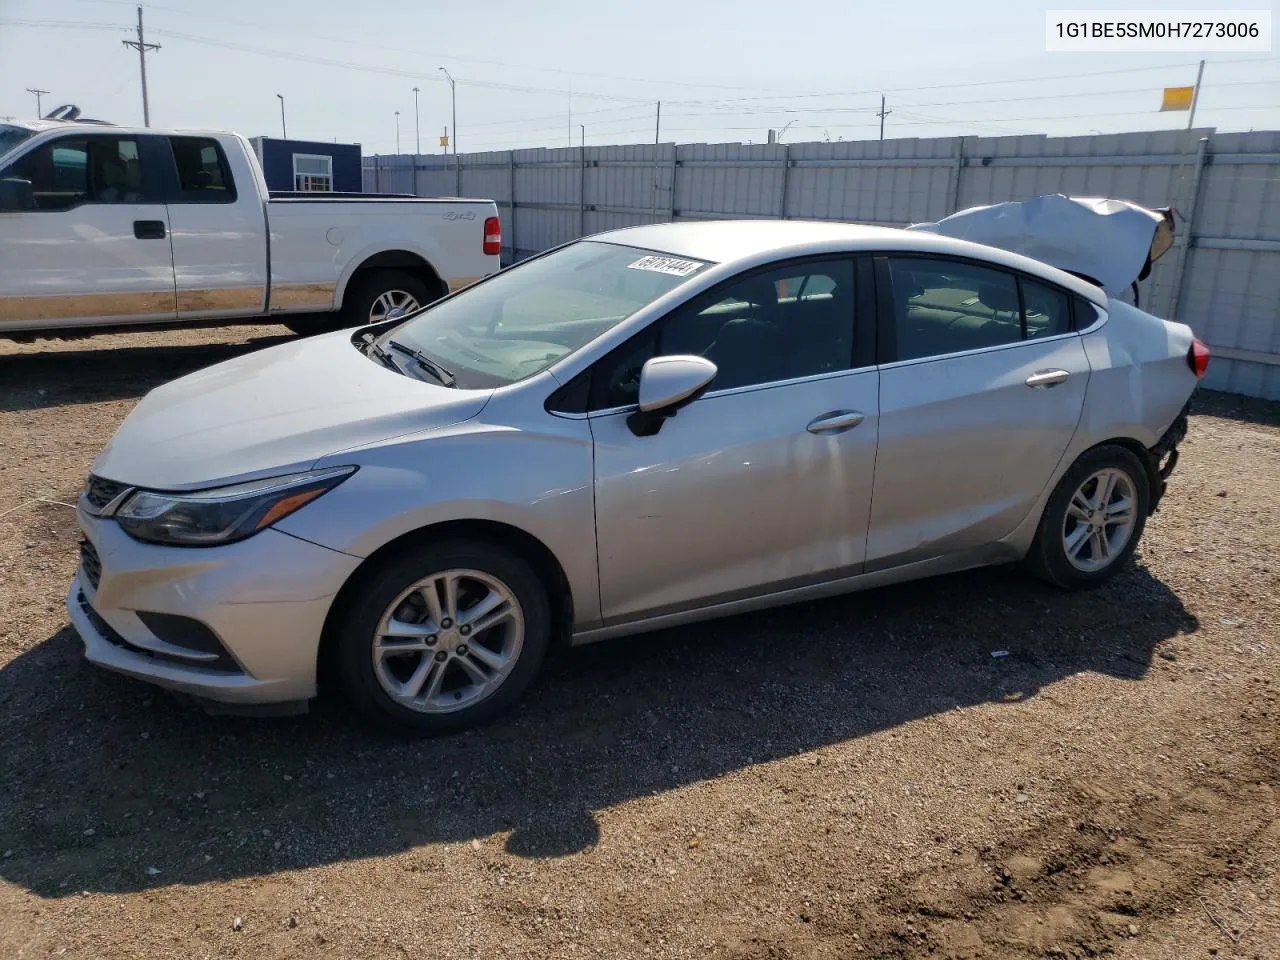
312 173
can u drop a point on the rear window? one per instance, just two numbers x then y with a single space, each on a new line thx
203 174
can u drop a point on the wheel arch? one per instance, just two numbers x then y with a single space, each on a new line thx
1145 457
524 544
397 259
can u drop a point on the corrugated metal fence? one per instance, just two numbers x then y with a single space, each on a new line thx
1222 277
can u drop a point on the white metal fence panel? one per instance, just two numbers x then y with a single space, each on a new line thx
1222 277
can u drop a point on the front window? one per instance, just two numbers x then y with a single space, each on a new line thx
523 320
11 136
74 170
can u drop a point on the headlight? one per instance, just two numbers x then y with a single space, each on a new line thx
207 518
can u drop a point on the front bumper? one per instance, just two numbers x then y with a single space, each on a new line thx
265 599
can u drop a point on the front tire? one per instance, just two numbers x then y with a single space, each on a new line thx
1093 520
443 637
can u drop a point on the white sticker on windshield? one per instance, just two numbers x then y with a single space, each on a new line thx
670 265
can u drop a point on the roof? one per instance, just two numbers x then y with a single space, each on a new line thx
111 129
756 241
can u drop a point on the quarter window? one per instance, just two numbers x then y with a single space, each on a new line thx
795 321
203 174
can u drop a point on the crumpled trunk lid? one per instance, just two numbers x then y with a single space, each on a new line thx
1112 243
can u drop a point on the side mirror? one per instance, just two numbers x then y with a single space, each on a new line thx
16 194
666 385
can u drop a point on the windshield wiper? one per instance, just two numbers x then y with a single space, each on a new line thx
426 363
371 349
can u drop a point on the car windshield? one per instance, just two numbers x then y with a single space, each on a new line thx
524 319
11 136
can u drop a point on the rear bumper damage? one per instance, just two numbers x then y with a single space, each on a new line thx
1163 456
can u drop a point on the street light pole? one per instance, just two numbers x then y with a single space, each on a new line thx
397 133
453 100
417 136
284 131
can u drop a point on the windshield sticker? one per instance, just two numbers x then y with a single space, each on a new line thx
669 265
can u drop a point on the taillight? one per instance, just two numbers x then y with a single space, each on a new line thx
492 237
1198 358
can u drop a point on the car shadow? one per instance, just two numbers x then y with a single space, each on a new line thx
67 377
112 785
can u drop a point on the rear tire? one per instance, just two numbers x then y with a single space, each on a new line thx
466 673
1093 520
367 299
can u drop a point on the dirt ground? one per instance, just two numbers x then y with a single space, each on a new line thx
856 777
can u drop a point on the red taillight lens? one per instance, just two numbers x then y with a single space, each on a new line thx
1198 358
492 236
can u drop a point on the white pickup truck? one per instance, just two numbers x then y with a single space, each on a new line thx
105 226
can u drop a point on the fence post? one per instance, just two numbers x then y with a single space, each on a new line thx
1182 239
675 162
786 170
953 196
511 160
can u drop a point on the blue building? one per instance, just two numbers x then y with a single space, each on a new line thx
309 166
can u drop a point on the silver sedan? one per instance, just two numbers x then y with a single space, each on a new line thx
640 429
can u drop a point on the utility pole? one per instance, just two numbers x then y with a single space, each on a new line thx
284 131
39 108
397 133
657 125
417 137
1195 97
882 114
142 47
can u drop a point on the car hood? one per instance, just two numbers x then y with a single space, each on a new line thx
1111 242
278 409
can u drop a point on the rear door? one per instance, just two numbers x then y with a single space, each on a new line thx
95 247
219 230
982 384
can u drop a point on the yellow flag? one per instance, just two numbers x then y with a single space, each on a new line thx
1177 98
444 140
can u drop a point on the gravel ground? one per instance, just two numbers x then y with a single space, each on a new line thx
853 777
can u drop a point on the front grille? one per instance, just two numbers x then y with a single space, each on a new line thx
100 491
90 563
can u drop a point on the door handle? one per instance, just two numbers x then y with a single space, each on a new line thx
149 229
1047 378
836 422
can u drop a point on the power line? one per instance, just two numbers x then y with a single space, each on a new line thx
971 83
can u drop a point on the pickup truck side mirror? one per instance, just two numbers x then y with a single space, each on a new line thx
15 194
666 385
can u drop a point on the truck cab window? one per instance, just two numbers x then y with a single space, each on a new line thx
66 173
203 174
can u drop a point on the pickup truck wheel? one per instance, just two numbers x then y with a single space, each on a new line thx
376 295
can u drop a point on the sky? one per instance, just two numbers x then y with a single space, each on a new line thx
553 72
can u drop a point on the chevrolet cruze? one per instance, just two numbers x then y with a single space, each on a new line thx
643 428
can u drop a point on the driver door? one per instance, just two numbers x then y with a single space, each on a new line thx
762 484
95 246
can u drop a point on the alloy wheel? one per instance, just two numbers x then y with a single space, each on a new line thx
448 641
1100 519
